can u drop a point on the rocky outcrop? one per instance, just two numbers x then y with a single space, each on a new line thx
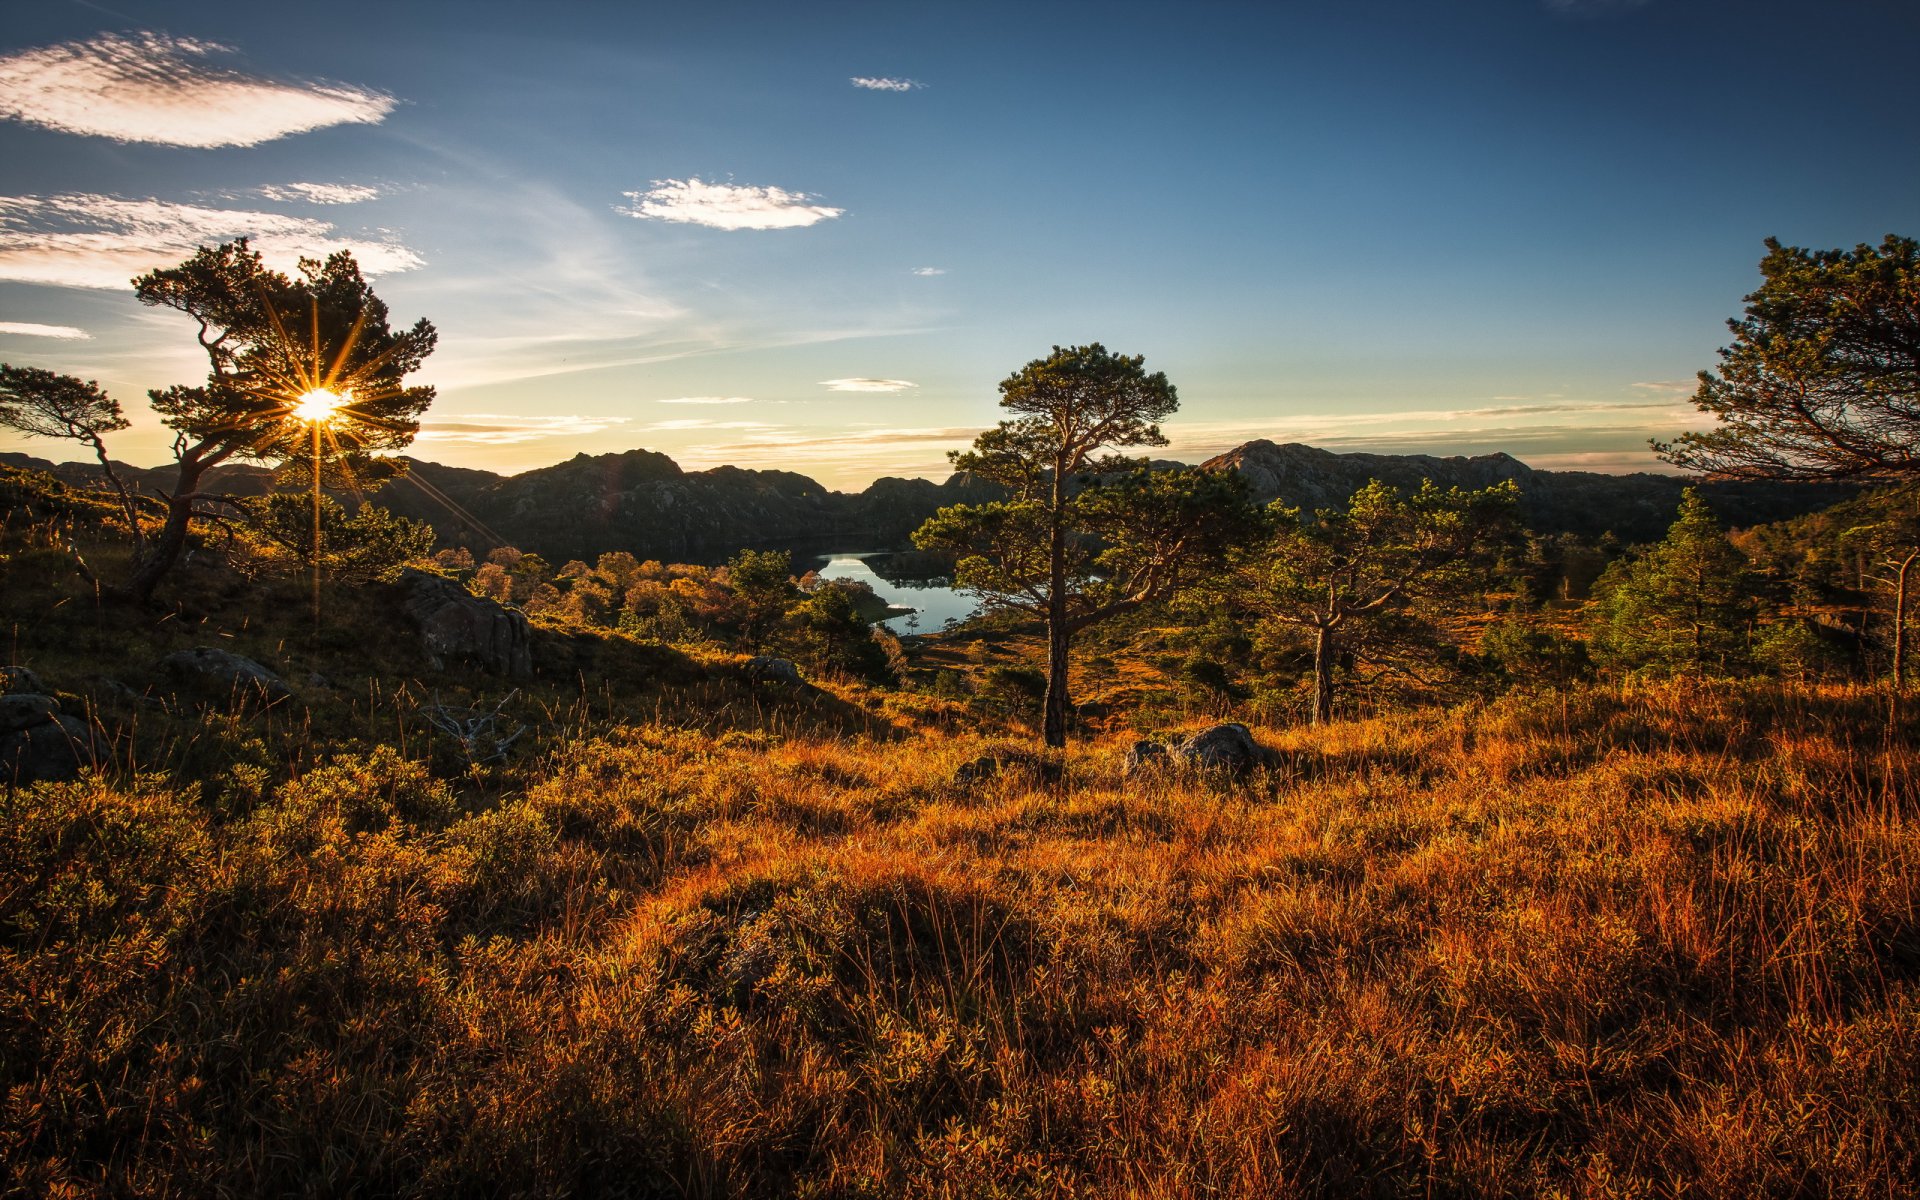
764 668
40 743
1229 748
209 673
456 625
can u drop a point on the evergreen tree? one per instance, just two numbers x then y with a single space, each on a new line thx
1686 606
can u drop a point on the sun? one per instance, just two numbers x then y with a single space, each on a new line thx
318 406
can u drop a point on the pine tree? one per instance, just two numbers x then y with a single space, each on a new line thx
1684 607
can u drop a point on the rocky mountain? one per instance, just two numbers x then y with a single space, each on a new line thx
645 503
1636 507
637 500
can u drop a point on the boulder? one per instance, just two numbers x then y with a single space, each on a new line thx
19 679
456 624
24 710
38 743
211 673
1146 755
764 668
1228 747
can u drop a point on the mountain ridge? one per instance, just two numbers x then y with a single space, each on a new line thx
644 502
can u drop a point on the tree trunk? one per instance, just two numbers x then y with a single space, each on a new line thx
163 551
1057 703
1900 594
1323 674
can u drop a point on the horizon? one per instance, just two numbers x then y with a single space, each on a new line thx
816 242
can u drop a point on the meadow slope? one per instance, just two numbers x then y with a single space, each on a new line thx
1653 942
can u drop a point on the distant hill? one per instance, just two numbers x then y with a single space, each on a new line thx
1636 507
643 502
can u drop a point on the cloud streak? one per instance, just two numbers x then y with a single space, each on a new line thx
502 429
929 272
319 193
91 241
148 87
66 333
726 206
867 385
885 83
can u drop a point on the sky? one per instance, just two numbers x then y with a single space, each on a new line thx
817 237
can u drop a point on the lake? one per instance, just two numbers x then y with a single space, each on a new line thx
935 605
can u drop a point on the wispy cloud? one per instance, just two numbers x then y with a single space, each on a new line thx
726 205
885 83
501 429
93 241
867 385
928 272
318 193
148 87
707 400
685 423
1678 389
69 333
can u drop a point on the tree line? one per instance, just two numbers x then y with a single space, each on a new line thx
1821 382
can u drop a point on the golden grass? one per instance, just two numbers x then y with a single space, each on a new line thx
1652 942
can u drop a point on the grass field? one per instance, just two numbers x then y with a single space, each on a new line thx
1653 942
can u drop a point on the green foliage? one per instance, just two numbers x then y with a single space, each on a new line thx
762 585
1525 653
277 539
1823 378
1367 582
1685 606
833 636
1083 537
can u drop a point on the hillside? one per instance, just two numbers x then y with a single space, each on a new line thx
645 503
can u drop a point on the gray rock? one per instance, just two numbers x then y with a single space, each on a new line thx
1229 747
976 769
24 710
456 624
221 675
1145 756
19 679
54 750
112 689
764 668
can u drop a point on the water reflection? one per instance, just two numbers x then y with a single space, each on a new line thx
935 605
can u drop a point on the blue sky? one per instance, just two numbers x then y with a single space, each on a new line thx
1449 227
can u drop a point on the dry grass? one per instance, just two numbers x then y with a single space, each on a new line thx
1654 943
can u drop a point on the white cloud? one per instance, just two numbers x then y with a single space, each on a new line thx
702 423
501 429
927 272
726 205
707 400
92 241
883 83
69 333
319 193
867 385
148 87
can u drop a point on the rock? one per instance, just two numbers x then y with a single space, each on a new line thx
112 689
1229 747
764 668
24 710
456 624
19 679
221 675
976 769
51 750
1146 755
